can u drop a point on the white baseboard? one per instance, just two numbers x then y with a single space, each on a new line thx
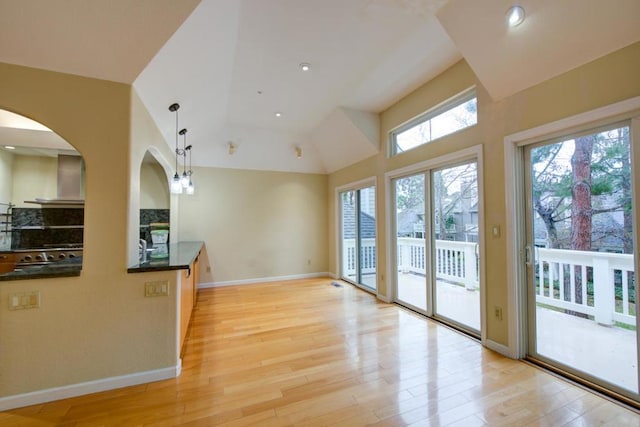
73 390
500 348
263 280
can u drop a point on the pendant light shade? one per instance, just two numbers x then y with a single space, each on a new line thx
176 185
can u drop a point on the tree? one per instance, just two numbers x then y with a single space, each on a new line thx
581 213
446 198
409 192
569 193
549 187
572 193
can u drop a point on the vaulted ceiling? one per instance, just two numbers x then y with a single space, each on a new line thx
232 64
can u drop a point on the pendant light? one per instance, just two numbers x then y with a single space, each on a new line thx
184 180
190 189
176 185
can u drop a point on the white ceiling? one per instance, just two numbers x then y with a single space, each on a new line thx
557 36
231 64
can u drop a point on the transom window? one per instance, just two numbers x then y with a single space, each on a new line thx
454 115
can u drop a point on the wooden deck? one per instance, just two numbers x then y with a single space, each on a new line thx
307 353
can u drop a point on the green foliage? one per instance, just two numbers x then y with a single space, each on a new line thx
449 221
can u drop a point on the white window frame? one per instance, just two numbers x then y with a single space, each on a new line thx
443 107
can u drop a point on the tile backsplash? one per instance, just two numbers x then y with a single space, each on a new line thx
49 227
46 227
149 216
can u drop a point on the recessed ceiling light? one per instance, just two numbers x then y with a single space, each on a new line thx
278 114
9 147
515 16
305 66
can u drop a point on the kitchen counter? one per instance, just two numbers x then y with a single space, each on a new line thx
181 255
67 268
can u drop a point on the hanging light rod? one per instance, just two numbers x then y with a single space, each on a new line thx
176 186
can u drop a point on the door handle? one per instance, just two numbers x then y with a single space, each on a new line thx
527 255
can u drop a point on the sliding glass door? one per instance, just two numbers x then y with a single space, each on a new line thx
436 242
581 263
358 236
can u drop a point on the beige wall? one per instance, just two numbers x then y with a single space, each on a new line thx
154 189
257 224
34 176
607 80
98 325
146 139
6 176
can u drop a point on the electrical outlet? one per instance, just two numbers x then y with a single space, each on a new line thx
308 262
24 300
159 288
208 269
497 312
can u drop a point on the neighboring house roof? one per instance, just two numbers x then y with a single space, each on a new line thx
367 225
406 219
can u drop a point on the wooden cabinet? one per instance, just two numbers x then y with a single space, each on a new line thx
188 293
7 263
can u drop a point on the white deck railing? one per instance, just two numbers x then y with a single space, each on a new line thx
456 261
560 282
367 256
560 274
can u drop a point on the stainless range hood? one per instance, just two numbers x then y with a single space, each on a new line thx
70 191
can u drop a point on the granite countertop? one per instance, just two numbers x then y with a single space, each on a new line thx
67 268
179 257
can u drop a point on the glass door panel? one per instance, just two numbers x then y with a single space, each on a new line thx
455 236
411 284
349 227
581 275
358 238
367 237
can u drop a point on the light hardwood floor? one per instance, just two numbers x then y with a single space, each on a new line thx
307 353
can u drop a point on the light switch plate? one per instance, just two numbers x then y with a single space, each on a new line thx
159 288
24 300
